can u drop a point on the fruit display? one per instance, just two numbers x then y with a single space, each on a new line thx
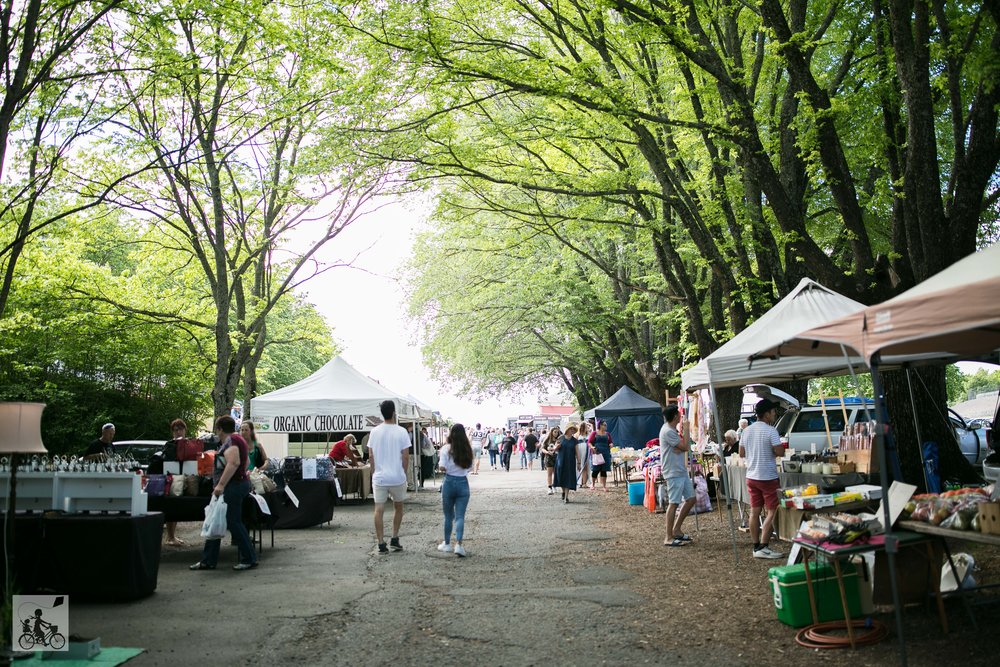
957 509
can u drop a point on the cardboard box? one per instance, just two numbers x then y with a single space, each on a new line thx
813 502
989 518
863 460
914 569
867 491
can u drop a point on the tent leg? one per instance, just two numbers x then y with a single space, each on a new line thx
890 540
916 423
724 478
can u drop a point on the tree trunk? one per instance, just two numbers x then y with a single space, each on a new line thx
931 403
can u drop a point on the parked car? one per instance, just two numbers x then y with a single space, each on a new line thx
974 442
804 426
140 450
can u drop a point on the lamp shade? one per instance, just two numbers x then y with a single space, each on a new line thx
21 428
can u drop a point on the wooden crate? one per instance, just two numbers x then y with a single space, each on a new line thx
864 460
989 518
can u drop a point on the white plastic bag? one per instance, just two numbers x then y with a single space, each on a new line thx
964 564
214 527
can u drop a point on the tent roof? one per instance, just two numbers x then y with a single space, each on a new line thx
624 402
334 385
951 315
803 307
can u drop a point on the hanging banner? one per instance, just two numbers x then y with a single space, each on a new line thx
322 423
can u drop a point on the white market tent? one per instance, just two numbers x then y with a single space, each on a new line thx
336 398
806 306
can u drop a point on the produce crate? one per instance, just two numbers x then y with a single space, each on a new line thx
989 518
791 595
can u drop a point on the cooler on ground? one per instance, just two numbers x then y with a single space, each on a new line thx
791 596
636 493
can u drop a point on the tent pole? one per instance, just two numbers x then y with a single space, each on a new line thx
724 477
916 424
891 546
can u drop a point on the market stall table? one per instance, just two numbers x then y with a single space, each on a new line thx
93 556
835 553
356 480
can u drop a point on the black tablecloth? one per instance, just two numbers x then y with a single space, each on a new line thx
316 501
97 557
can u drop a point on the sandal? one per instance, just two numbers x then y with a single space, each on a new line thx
677 542
684 538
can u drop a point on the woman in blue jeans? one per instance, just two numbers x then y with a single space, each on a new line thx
233 484
456 461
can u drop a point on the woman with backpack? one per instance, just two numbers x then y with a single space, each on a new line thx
455 458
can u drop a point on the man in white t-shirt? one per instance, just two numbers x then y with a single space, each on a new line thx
759 445
477 438
389 456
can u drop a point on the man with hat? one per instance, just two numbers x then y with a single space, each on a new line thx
759 445
101 446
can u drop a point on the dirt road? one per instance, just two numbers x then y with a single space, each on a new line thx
532 591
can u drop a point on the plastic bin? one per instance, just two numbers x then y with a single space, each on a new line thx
791 596
636 493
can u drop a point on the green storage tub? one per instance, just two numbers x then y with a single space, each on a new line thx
791 597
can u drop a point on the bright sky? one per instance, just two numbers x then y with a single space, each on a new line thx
365 306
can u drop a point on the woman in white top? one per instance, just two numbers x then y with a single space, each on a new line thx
456 460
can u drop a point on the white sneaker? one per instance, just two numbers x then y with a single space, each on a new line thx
765 552
459 551
445 547
550 491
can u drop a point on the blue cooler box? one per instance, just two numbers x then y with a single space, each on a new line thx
791 596
636 493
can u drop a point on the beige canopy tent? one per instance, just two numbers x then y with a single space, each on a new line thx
952 315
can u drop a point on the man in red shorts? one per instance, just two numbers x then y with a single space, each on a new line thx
759 445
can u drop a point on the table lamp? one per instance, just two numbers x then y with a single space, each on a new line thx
20 433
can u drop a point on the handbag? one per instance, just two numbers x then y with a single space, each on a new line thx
189 449
177 486
597 459
191 484
206 463
156 485
214 526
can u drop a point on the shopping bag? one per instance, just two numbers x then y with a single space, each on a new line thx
214 527
597 459
702 501
176 485
650 499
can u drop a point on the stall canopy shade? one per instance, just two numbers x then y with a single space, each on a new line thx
335 398
803 307
632 419
952 315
